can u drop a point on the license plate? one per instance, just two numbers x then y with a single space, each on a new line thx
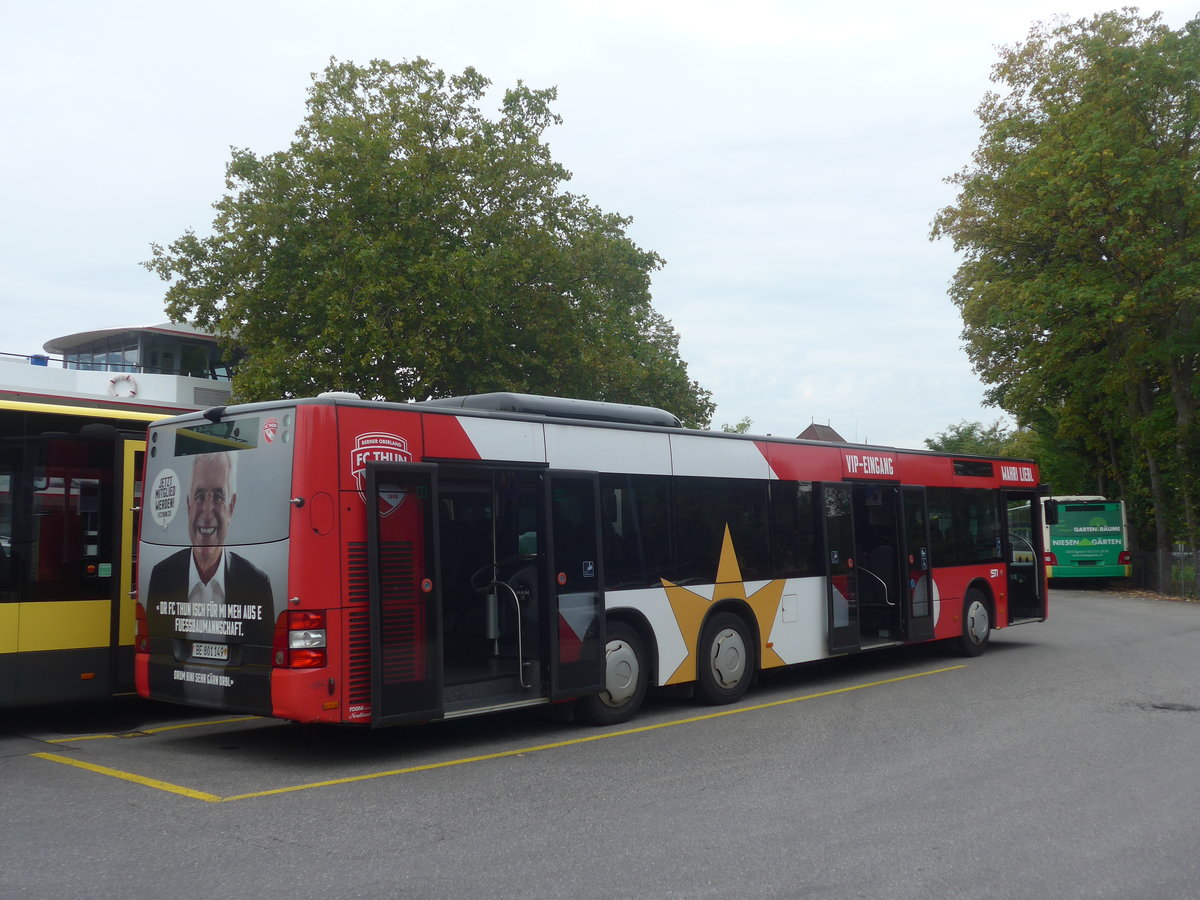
211 651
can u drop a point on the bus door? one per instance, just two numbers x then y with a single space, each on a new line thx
402 555
68 551
877 541
577 615
1023 553
841 579
919 587
10 575
492 573
480 574
131 460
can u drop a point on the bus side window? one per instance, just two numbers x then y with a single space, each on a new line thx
636 530
941 527
612 529
978 512
795 548
704 508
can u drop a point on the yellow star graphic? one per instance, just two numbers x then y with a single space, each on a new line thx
690 609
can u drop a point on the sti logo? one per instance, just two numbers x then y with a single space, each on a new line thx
378 446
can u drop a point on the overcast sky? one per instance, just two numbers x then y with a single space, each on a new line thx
785 158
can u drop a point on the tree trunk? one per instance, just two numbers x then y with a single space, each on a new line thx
1182 377
1162 537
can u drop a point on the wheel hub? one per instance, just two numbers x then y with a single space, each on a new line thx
728 658
977 622
621 673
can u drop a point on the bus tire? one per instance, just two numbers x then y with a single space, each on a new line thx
725 659
976 624
627 673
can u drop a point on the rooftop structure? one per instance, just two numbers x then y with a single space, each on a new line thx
167 368
815 432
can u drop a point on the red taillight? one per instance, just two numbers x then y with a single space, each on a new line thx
301 619
299 640
1123 558
141 641
1051 559
306 659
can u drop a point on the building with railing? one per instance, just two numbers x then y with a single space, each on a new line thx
168 368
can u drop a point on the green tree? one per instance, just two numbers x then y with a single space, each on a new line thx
1079 226
406 246
743 426
974 438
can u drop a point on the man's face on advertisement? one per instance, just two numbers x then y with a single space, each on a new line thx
210 502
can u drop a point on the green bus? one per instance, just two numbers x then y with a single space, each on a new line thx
1089 540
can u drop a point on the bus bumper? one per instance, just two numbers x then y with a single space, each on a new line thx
1113 571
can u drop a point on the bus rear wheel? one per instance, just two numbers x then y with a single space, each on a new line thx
726 659
976 624
626 677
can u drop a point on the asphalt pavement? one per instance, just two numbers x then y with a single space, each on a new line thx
1061 763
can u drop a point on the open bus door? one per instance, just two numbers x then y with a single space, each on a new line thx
841 579
128 516
878 535
1024 554
486 588
920 579
402 553
577 618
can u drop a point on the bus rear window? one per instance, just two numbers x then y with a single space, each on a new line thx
217 437
262 479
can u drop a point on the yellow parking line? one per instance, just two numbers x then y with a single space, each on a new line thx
129 776
143 732
212 798
585 740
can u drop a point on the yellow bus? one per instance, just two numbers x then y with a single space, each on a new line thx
70 490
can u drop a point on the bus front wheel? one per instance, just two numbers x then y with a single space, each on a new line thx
976 624
726 659
626 677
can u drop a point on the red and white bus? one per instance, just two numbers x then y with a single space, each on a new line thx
337 560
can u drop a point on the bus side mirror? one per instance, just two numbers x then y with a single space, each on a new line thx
1051 511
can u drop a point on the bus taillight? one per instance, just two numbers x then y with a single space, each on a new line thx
141 640
300 640
1124 559
1051 559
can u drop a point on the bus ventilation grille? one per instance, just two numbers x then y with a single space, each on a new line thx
360 656
402 657
402 631
402 619
358 579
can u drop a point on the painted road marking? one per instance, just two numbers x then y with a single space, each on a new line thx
129 776
145 732
426 767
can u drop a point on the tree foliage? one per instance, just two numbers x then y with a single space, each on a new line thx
742 426
407 246
975 438
1078 222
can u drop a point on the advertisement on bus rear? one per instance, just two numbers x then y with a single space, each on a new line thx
1088 533
213 567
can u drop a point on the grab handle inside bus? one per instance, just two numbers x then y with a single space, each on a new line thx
520 645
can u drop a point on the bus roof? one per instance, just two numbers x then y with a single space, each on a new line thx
494 406
82 412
